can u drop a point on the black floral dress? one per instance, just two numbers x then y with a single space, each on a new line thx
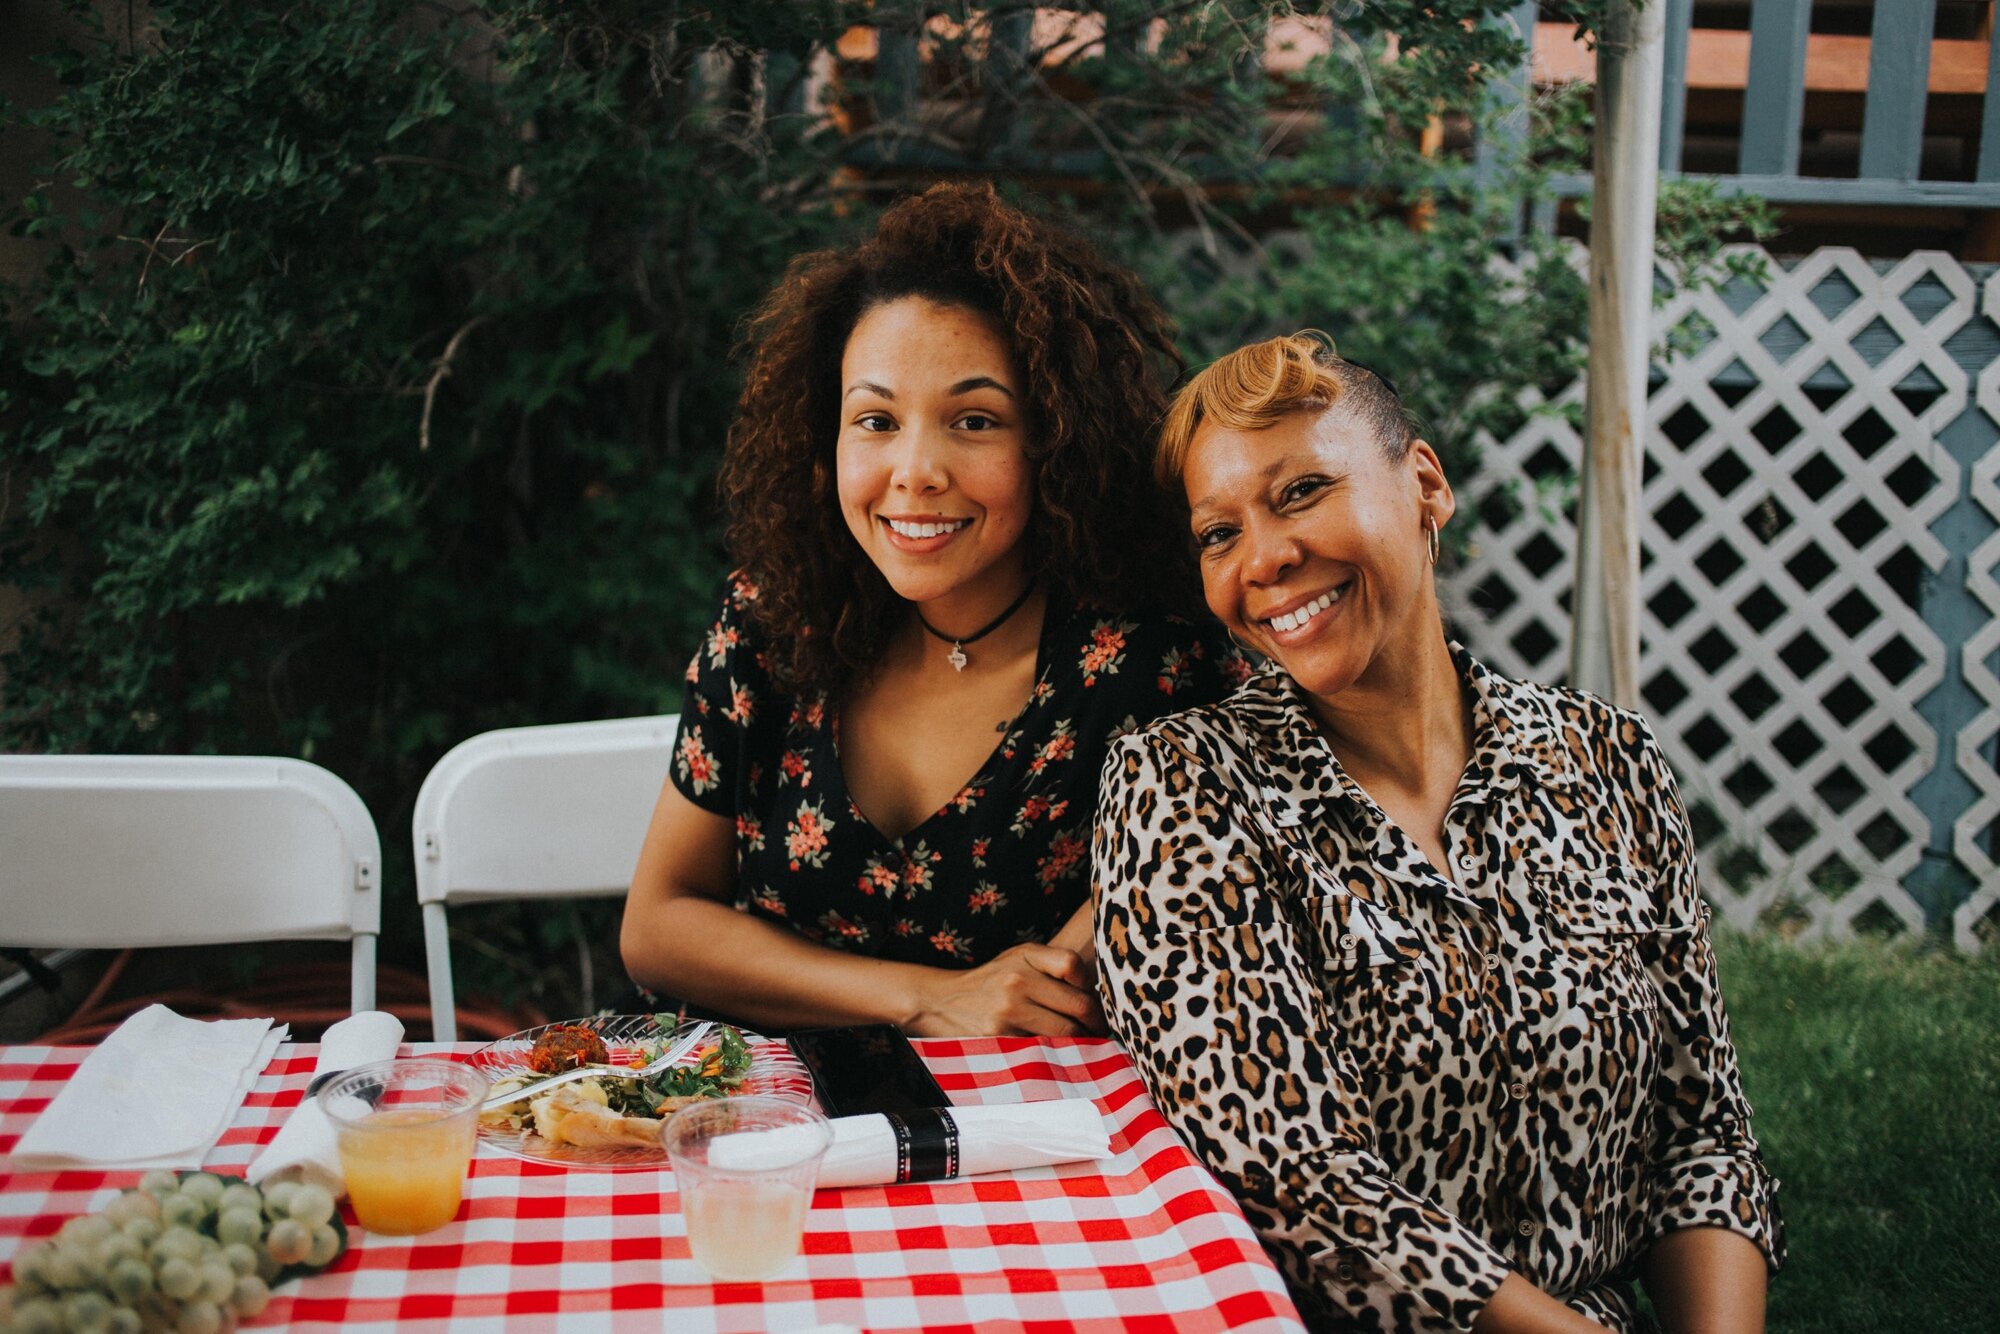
1006 860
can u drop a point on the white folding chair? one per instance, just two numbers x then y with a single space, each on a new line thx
110 851
532 812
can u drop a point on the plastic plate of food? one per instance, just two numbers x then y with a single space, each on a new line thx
614 1123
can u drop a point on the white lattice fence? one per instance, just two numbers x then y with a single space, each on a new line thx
1793 475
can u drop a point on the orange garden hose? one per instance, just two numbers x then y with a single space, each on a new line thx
304 996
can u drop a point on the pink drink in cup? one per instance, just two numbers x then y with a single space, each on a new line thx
745 1168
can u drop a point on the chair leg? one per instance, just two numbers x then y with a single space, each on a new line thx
437 960
363 997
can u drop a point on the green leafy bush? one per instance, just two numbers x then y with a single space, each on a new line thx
374 401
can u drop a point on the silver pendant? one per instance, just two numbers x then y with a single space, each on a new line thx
957 657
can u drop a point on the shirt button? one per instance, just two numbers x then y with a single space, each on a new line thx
1492 959
1525 1227
1518 1091
1348 941
1344 1272
1466 861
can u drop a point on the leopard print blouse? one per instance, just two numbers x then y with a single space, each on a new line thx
1417 1082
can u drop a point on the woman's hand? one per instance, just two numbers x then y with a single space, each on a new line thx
1038 990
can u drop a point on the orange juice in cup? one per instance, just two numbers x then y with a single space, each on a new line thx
406 1130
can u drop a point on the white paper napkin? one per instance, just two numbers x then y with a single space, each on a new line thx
158 1092
1003 1138
305 1148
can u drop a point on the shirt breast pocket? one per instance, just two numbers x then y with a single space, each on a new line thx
1383 984
1597 922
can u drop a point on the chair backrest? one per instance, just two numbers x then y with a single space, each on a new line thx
532 812
142 850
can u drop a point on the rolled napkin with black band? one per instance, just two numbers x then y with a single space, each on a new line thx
305 1148
937 1144
926 1144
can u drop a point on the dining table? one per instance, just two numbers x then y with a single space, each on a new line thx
1145 1240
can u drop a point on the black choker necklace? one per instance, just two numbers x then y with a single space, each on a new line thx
957 657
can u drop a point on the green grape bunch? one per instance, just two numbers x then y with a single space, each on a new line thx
196 1254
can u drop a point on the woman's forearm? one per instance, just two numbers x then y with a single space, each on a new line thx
1706 1280
681 936
707 952
1519 1307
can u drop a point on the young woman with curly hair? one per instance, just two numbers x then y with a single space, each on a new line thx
952 557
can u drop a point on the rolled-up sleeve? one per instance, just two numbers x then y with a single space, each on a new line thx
1705 1167
1208 985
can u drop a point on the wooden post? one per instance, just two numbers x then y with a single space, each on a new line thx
1604 649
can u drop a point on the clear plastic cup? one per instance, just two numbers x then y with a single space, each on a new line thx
745 1169
406 1129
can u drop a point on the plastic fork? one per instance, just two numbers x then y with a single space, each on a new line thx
666 1060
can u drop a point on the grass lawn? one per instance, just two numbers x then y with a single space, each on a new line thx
1875 1075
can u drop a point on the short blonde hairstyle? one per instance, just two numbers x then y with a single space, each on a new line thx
1258 386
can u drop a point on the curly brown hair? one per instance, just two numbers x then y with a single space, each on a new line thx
1095 353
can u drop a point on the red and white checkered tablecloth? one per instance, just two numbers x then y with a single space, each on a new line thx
1145 1241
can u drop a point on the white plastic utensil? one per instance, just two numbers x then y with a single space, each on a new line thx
666 1060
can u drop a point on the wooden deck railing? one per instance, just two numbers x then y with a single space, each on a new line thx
1908 80
1900 118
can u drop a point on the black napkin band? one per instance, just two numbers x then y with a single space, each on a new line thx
926 1144
368 1093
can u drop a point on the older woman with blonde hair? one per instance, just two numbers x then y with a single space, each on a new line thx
1413 955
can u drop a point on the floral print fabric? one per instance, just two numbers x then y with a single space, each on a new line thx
1005 860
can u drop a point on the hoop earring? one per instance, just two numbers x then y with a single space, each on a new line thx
1431 538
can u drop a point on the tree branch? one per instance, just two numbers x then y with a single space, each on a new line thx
443 369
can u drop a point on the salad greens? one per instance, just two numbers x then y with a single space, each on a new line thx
718 1069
